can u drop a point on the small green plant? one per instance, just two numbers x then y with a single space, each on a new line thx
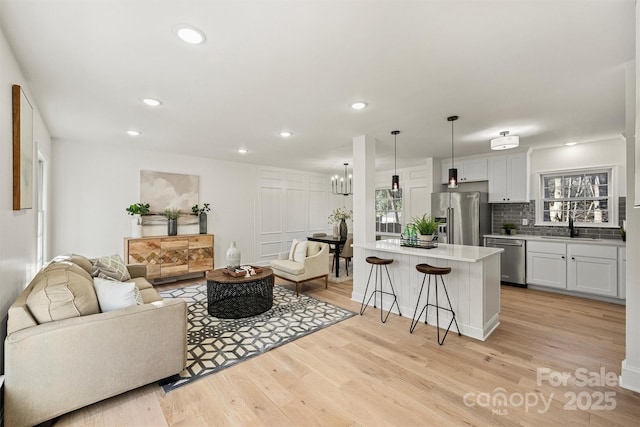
339 214
623 233
200 210
138 209
509 227
171 213
425 224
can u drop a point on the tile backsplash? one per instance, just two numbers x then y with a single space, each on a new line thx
516 212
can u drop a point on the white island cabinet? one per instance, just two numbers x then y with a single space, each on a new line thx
473 284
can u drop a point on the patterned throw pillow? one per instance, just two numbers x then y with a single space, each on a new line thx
111 266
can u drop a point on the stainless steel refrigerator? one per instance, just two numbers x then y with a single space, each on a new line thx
467 216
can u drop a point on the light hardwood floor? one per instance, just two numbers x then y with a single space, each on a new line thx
363 372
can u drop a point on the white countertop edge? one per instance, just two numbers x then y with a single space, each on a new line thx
443 251
559 239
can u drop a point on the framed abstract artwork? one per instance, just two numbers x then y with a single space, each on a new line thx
22 150
164 190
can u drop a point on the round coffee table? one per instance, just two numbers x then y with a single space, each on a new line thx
231 297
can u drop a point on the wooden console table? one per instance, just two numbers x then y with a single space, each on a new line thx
168 256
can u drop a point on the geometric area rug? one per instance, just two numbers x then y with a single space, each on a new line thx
214 344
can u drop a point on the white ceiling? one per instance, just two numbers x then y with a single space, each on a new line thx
549 71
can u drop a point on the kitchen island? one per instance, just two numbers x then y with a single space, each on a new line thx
473 284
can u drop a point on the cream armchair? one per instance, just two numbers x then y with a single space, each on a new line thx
304 262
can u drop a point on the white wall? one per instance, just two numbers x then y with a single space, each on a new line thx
259 208
93 185
292 204
589 155
630 377
18 229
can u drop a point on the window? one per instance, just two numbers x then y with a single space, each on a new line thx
388 211
587 195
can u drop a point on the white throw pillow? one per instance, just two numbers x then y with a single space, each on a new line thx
293 248
114 295
300 252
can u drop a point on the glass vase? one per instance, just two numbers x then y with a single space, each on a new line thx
233 257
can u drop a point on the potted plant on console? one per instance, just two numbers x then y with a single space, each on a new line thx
509 228
172 215
426 227
201 212
136 210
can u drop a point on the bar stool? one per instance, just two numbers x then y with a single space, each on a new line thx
438 272
378 263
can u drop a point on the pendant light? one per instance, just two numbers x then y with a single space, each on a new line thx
453 172
395 179
342 186
505 141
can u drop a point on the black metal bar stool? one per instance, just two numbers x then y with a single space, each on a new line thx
438 272
378 263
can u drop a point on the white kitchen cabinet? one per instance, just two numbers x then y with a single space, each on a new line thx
469 170
622 272
592 269
508 176
547 264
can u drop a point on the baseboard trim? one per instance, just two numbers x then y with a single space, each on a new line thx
630 377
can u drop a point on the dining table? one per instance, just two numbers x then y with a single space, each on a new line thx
336 242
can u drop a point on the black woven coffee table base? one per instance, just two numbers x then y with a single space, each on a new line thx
237 300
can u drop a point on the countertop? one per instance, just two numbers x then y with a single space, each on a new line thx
560 239
443 251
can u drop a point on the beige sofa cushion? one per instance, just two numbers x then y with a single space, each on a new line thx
291 267
60 291
79 260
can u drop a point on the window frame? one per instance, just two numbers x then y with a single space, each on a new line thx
612 198
400 212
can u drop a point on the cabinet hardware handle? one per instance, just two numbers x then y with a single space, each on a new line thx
573 258
562 256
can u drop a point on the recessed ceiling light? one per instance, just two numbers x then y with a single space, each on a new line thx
242 151
151 102
285 134
570 143
189 34
132 132
359 105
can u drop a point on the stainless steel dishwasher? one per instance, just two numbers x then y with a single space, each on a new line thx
512 260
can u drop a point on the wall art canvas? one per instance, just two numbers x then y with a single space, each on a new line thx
22 150
164 190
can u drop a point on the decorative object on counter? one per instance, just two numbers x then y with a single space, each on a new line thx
504 141
341 215
426 227
623 233
172 215
136 210
201 212
233 257
344 187
509 228
453 172
395 179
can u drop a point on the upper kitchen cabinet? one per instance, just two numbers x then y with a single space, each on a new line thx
509 178
469 170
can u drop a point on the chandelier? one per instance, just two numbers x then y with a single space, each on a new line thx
341 185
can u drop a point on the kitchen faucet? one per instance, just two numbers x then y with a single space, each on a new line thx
572 231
